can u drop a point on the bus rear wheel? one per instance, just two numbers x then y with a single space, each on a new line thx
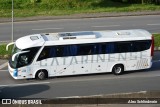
41 74
118 69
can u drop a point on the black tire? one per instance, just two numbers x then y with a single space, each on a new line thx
41 75
118 69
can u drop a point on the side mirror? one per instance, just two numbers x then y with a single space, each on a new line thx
13 57
9 45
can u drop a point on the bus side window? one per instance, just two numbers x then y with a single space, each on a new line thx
52 52
91 49
60 51
65 51
73 50
70 50
110 48
122 47
95 49
44 54
86 49
148 44
145 45
80 50
102 48
137 46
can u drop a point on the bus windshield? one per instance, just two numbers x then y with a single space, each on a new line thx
14 50
23 59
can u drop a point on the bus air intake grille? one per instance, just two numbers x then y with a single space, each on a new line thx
142 64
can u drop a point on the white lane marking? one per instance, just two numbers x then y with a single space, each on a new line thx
3 65
5 41
106 26
105 95
80 96
47 28
158 24
3 70
25 84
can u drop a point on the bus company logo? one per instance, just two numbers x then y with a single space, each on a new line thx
6 101
93 59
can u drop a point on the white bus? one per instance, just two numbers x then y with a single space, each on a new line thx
73 53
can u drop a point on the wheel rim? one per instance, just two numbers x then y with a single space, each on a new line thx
41 75
118 70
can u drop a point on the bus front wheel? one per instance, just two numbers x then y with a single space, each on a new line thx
118 69
41 74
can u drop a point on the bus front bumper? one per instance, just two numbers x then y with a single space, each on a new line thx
16 74
12 71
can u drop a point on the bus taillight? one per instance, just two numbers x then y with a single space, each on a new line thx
152 46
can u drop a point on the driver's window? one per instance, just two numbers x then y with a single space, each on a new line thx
27 57
23 59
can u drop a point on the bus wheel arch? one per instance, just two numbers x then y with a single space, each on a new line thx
118 69
41 74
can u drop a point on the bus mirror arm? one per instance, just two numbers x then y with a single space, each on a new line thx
9 45
13 57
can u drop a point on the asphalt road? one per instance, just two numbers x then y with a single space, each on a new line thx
143 80
150 23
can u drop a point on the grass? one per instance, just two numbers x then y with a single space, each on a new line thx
26 8
3 53
6 54
157 40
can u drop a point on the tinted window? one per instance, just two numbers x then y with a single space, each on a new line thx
123 47
110 48
86 49
69 50
44 54
58 51
96 48
100 48
140 45
27 58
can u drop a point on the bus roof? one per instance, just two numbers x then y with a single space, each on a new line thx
81 37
